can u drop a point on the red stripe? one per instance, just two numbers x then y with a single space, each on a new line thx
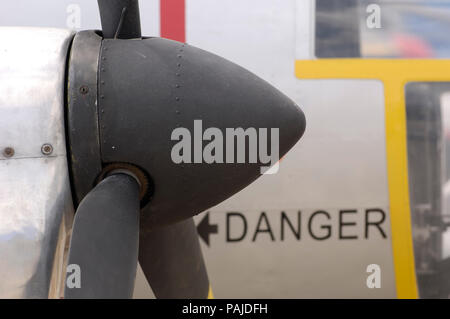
173 19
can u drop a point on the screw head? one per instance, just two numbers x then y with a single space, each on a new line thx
8 152
47 149
84 90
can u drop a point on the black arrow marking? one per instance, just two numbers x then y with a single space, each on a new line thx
204 229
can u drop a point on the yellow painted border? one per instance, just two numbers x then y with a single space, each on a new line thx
394 74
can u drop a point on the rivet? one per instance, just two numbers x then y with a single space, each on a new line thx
84 89
47 149
8 152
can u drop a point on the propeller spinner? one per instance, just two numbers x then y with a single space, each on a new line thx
128 96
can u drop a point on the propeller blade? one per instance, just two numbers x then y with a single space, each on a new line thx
173 263
120 19
105 239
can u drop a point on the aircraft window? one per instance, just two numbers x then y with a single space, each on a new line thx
382 29
428 137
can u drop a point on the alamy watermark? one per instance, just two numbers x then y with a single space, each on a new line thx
374 279
73 278
73 20
191 149
373 20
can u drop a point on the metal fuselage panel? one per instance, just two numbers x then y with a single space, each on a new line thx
35 192
336 174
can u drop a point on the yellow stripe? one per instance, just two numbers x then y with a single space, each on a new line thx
394 74
210 293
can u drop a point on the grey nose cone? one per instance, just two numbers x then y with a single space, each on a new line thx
154 91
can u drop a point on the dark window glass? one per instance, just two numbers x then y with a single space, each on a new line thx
382 29
428 140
